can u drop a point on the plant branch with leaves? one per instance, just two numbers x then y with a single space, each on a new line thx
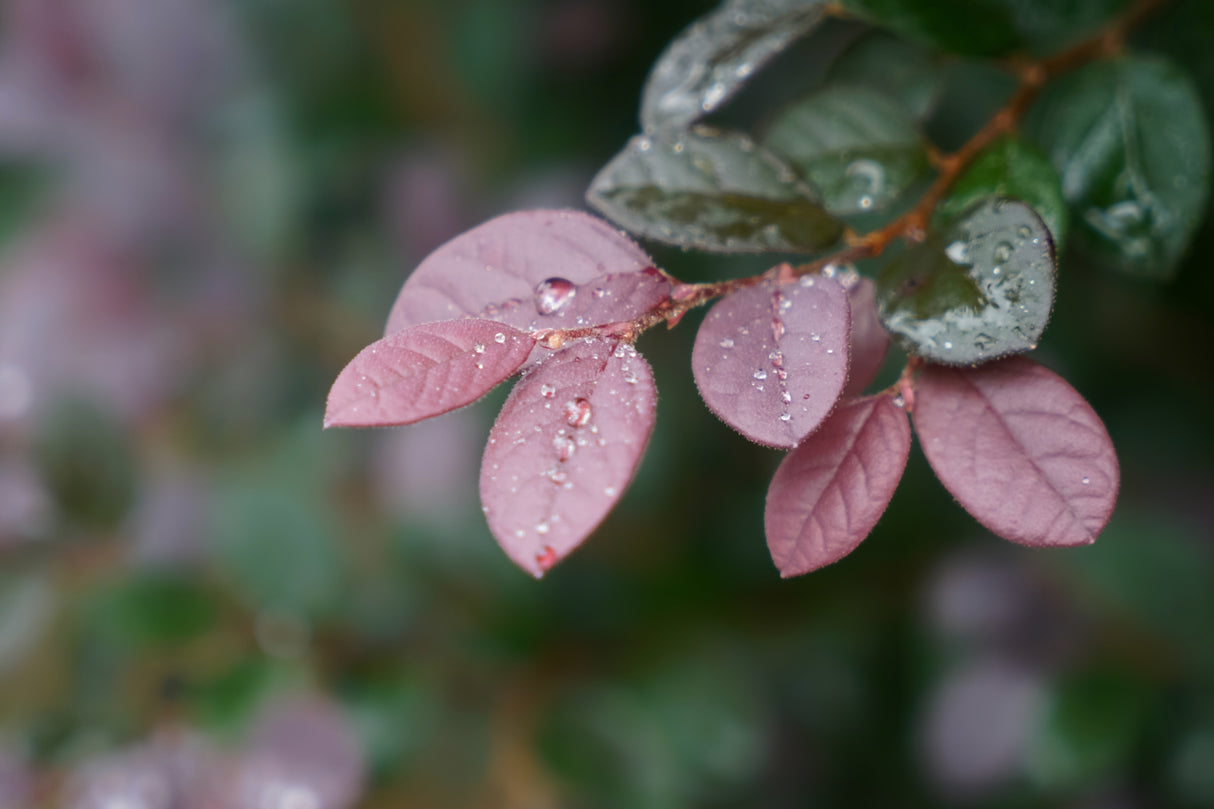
1076 156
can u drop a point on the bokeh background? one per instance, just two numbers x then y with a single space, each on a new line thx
206 208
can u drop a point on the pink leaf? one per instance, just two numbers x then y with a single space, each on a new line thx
425 371
770 361
564 448
1020 450
543 269
869 339
829 492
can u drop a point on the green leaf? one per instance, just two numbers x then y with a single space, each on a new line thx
714 191
155 609
1130 141
1011 167
902 70
971 27
1089 730
708 62
279 549
989 27
980 289
857 147
21 190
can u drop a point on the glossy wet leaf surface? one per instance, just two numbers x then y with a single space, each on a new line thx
511 269
1131 143
1014 168
858 147
564 448
714 191
770 361
948 25
425 371
708 62
980 289
1020 449
829 492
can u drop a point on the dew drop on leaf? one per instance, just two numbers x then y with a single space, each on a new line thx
578 412
552 294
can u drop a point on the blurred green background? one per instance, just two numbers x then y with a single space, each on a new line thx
206 208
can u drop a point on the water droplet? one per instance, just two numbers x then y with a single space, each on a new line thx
713 97
564 446
499 338
785 417
817 338
644 145
957 253
830 351
578 412
630 376
553 293
743 70
546 558
599 292
727 343
1003 251
1024 231
609 491
678 147
479 348
806 281
760 374
1086 481
541 527
547 391
556 475
948 345
865 202
899 401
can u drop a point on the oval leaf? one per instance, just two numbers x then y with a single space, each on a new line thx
713 191
829 492
857 147
1020 450
498 271
1011 167
425 371
869 339
711 59
1131 143
770 361
906 72
982 288
564 448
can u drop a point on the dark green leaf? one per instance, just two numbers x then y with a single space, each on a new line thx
21 189
1088 731
982 288
857 147
155 609
1131 143
710 61
904 71
713 191
972 27
1011 167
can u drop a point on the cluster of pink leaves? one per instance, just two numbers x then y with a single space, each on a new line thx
554 294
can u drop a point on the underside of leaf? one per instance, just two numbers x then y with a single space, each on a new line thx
1020 449
829 492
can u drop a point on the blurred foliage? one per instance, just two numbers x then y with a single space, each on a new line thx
205 210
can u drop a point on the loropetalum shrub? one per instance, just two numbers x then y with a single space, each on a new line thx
1097 147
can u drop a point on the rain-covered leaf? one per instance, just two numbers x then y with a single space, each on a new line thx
1131 144
425 371
712 191
541 269
1011 167
829 492
979 289
711 59
954 26
564 448
902 70
1020 449
858 147
869 339
771 360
